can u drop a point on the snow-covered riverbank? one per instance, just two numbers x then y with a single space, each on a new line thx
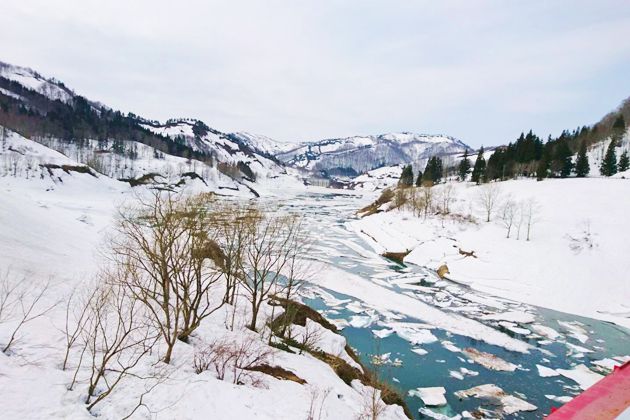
576 260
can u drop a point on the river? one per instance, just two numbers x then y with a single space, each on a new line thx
438 360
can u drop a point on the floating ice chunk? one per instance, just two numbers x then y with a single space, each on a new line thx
383 333
462 372
413 332
575 330
431 396
520 317
362 321
514 328
456 374
448 345
607 364
340 323
437 416
468 372
546 372
489 361
560 399
545 331
575 349
581 375
509 403
420 351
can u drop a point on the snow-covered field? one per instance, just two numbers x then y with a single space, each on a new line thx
575 261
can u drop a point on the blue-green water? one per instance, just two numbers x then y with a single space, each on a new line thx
339 246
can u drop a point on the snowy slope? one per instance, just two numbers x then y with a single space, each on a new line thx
51 88
575 262
54 221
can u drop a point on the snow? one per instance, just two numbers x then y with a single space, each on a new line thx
382 298
430 396
582 375
564 271
32 80
509 403
546 372
489 361
53 224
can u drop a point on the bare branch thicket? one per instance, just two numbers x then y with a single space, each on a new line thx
232 222
309 337
373 405
509 213
445 197
76 316
233 359
168 247
489 196
21 302
267 254
316 403
426 199
115 337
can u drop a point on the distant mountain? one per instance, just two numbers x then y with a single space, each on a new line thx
351 156
45 110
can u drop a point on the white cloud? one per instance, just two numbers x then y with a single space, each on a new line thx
482 71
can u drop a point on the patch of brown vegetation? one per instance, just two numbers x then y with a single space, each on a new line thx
277 372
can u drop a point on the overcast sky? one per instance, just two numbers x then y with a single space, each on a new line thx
482 71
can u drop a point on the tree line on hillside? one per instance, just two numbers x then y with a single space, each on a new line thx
530 156
32 114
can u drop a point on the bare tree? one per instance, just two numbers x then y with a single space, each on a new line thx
317 400
531 208
266 256
489 196
509 213
170 252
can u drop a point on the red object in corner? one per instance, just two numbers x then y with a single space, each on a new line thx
605 400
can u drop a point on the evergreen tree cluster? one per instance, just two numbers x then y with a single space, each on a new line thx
432 174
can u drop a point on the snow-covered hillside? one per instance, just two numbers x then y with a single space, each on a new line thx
55 214
355 155
51 88
575 260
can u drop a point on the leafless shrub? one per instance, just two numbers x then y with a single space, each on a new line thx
309 337
373 406
114 337
233 359
21 302
316 403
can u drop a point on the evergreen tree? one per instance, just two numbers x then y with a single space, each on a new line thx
624 162
406 177
582 167
433 171
479 170
618 129
609 164
419 179
562 163
464 167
